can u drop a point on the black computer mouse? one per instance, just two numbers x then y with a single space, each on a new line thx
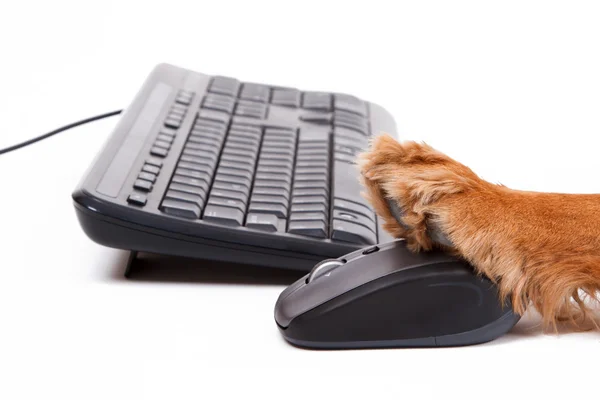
388 296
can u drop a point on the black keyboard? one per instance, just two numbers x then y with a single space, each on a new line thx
214 168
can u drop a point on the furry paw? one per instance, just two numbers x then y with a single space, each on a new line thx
411 185
540 248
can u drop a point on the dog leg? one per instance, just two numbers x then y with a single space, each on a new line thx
540 248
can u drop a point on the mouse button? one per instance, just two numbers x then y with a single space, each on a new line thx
323 268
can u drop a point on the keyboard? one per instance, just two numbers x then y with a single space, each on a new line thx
214 168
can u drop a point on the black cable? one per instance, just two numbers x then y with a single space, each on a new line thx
59 130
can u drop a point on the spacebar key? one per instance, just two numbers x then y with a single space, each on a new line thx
223 215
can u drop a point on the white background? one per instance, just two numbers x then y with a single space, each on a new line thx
510 88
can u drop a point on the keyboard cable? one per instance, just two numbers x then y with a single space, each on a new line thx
59 130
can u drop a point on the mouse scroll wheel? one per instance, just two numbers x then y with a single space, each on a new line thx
323 268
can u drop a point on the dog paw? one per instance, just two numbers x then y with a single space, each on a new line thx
411 187
539 248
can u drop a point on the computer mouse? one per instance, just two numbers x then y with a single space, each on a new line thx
388 296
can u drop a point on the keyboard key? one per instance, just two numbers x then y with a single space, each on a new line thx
286 97
193 174
184 97
281 140
346 184
180 209
219 103
140 184
228 194
162 144
154 162
350 103
310 207
355 143
250 109
201 153
177 113
223 215
346 231
271 191
309 177
251 143
316 134
352 121
343 150
233 179
147 176
287 164
212 148
268 150
202 165
280 132
307 216
248 153
138 199
205 139
275 157
168 132
244 134
214 115
240 146
316 118
172 123
165 138
346 158
263 222
308 228
310 192
207 159
311 185
266 183
274 144
313 164
237 159
184 196
180 187
309 199
356 218
234 172
313 154
238 128
225 202
352 207
224 85
313 144
255 92
268 208
271 199
159 152
206 126
151 169
283 179
204 135
322 171
317 101
237 165
271 169
191 181
242 190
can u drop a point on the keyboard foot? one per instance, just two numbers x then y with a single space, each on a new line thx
130 262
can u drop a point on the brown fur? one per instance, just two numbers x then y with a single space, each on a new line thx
540 248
